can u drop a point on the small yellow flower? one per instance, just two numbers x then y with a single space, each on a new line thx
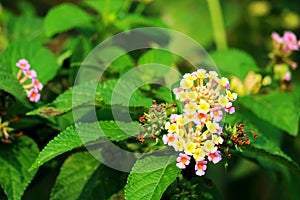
192 96
190 107
201 73
209 146
179 145
203 106
173 128
212 126
181 120
231 96
217 139
199 154
223 101
182 96
213 75
186 84
224 81
190 148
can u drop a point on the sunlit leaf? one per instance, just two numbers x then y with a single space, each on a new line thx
279 109
150 177
65 17
41 59
9 84
234 62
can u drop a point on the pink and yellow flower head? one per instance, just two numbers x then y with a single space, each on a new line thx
196 132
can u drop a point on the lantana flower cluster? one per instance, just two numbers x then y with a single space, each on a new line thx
34 86
284 46
196 133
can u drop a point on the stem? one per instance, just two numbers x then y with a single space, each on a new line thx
140 8
126 6
106 12
218 24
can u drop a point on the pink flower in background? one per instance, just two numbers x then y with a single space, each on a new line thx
34 95
23 64
290 40
287 76
276 37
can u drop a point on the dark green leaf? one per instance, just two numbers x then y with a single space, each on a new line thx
261 147
15 160
72 137
74 175
83 177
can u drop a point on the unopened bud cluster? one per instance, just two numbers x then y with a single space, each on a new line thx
153 121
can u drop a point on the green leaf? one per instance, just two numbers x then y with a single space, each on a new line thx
123 93
82 95
40 59
70 138
84 177
199 26
15 160
104 7
194 188
273 109
79 47
74 175
65 101
65 17
119 65
26 28
150 177
10 84
156 56
165 94
234 62
270 151
266 145
265 149
134 21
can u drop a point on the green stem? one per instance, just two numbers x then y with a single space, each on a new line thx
217 23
